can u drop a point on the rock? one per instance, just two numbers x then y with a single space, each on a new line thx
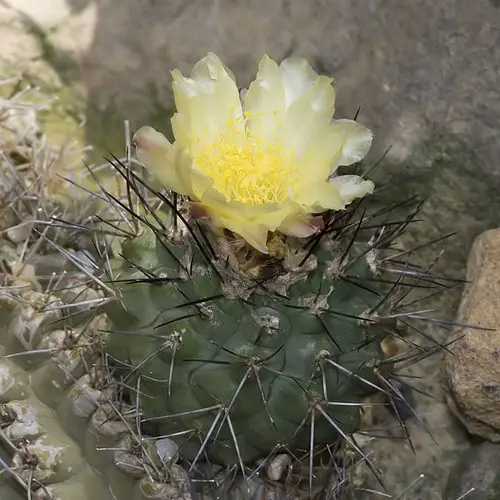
473 366
478 469
278 466
167 451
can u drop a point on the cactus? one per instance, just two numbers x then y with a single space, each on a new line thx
150 354
262 356
241 349
239 357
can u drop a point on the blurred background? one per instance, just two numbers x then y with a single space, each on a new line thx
425 73
417 68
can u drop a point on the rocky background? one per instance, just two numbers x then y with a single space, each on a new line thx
426 74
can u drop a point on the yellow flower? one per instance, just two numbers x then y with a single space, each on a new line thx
261 162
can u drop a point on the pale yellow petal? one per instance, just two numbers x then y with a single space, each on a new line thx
297 75
338 192
232 216
340 143
265 101
200 183
165 161
254 234
210 70
251 222
351 187
357 141
208 103
320 154
319 197
268 214
308 114
181 130
301 226
183 89
272 215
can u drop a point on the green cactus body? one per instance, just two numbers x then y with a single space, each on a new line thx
245 365
56 410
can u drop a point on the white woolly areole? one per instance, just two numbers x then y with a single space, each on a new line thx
25 426
6 379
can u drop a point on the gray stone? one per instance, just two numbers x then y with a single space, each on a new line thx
477 469
277 466
167 450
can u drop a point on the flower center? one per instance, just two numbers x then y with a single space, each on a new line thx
249 170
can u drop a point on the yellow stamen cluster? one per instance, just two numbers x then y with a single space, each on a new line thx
248 170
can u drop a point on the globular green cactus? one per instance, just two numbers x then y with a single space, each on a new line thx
241 357
241 354
254 298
